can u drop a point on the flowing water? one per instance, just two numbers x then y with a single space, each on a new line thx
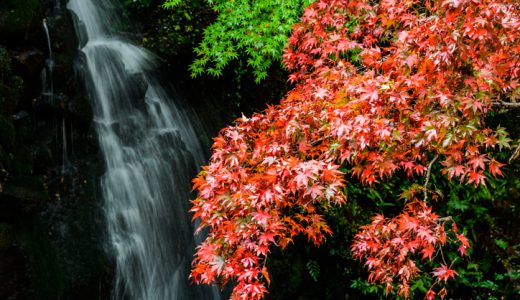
46 75
150 152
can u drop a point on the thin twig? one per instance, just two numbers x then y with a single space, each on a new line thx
442 256
503 104
428 173
448 218
515 154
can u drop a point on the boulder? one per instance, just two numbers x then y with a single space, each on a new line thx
30 61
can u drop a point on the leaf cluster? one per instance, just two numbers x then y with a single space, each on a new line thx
409 104
254 30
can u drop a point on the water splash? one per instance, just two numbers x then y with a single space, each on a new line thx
151 151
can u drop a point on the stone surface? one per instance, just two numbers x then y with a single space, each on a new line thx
31 61
49 167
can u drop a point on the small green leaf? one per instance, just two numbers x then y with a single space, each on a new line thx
314 269
502 244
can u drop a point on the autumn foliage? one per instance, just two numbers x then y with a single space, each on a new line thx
381 87
389 246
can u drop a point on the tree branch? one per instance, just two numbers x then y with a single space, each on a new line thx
515 154
503 104
448 218
428 173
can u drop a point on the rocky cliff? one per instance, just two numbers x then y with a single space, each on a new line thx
50 220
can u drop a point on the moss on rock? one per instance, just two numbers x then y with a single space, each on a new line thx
10 86
17 17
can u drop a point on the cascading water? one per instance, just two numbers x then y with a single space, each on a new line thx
150 151
46 75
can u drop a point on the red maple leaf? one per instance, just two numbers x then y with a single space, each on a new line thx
444 273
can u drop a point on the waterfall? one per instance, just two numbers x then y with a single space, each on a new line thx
150 152
65 150
46 75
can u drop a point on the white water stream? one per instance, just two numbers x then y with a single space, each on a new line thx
47 72
150 152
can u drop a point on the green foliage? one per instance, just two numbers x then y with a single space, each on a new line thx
169 4
139 3
21 13
487 214
314 269
171 33
490 215
254 30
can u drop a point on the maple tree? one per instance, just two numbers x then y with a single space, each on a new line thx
254 30
381 87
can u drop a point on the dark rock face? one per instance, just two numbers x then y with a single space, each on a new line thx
12 265
18 19
30 61
51 225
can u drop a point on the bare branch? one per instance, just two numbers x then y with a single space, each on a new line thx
515 154
428 173
503 104
448 218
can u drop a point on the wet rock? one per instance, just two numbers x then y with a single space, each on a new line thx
11 265
55 101
20 115
53 249
64 45
10 85
81 31
28 189
8 99
7 133
31 62
80 106
61 30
